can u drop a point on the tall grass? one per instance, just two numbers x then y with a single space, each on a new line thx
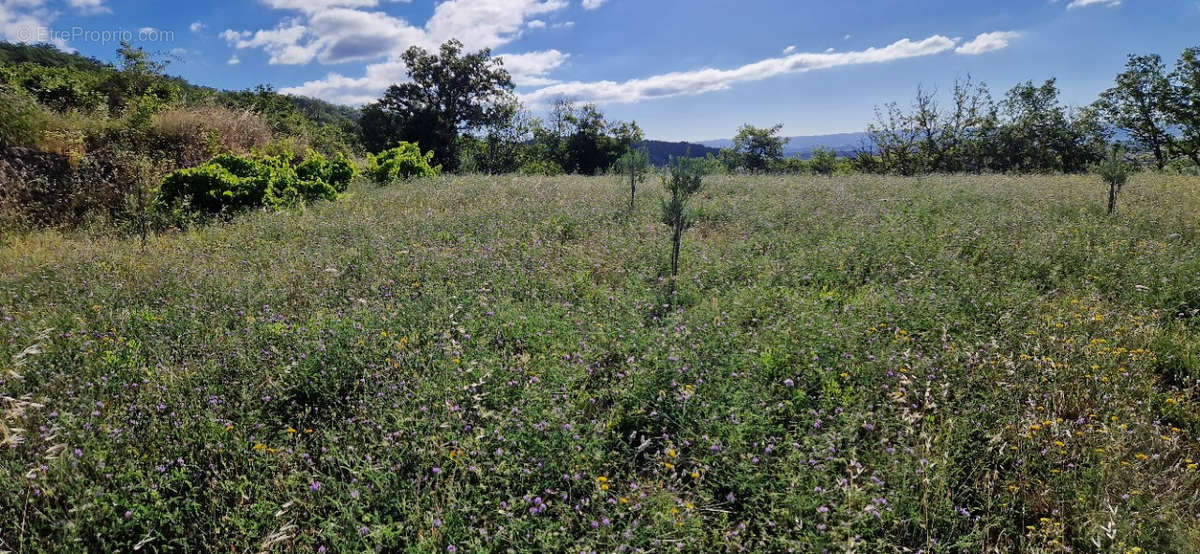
877 364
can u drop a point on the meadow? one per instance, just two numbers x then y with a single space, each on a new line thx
478 364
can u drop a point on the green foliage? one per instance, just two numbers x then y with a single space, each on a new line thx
682 180
539 166
231 183
22 121
632 167
449 93
1115 171
1138 103
402 163
579 139
1183 105
1030 131
758 148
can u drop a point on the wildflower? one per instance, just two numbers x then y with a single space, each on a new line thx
315 486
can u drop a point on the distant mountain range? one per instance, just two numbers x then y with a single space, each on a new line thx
842 143
845 144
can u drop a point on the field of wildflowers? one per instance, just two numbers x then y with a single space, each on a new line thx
470 364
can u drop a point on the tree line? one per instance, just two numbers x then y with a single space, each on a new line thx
461 106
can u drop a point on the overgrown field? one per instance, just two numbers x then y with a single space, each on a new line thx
943 364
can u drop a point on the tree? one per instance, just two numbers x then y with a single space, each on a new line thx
758 148
1138 104
450 94
497 147
580 140
894 138
683 179
1183 108
1041 135
633 165
1115 172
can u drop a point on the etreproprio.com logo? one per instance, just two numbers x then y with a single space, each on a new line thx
38 34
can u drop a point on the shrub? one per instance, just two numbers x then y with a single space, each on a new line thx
403 162
338 173
633 165
1115 172
192 135
22 121
230 183
537 166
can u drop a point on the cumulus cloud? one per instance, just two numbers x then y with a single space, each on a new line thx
27 21
529 69
339 31
197 27
789 50
593 4
710 80
987 42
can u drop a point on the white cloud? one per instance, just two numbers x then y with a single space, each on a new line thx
331 33
987 42
593 4
789 50
710 80
89 7
1085 3
234 60
311 6
197 27
529 69
339 31
27 21
847 37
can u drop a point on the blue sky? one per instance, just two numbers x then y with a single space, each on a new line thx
683 69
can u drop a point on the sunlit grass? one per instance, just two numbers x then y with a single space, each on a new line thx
942 364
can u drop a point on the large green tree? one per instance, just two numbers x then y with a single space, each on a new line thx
759 148
580 140
1138 103
1183 107
450 94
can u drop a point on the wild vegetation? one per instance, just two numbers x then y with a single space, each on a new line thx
885 353
884 364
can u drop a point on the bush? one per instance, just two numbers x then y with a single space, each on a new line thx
192 135
403 162
337 173
22 121
230 183
536 166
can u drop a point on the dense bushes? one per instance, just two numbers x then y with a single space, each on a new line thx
230 183
403 162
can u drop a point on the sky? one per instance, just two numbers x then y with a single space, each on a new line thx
683 69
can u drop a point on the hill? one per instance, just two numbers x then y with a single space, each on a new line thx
661 151
844 144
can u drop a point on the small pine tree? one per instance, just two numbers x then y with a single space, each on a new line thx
683 179
1115 172
633 165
